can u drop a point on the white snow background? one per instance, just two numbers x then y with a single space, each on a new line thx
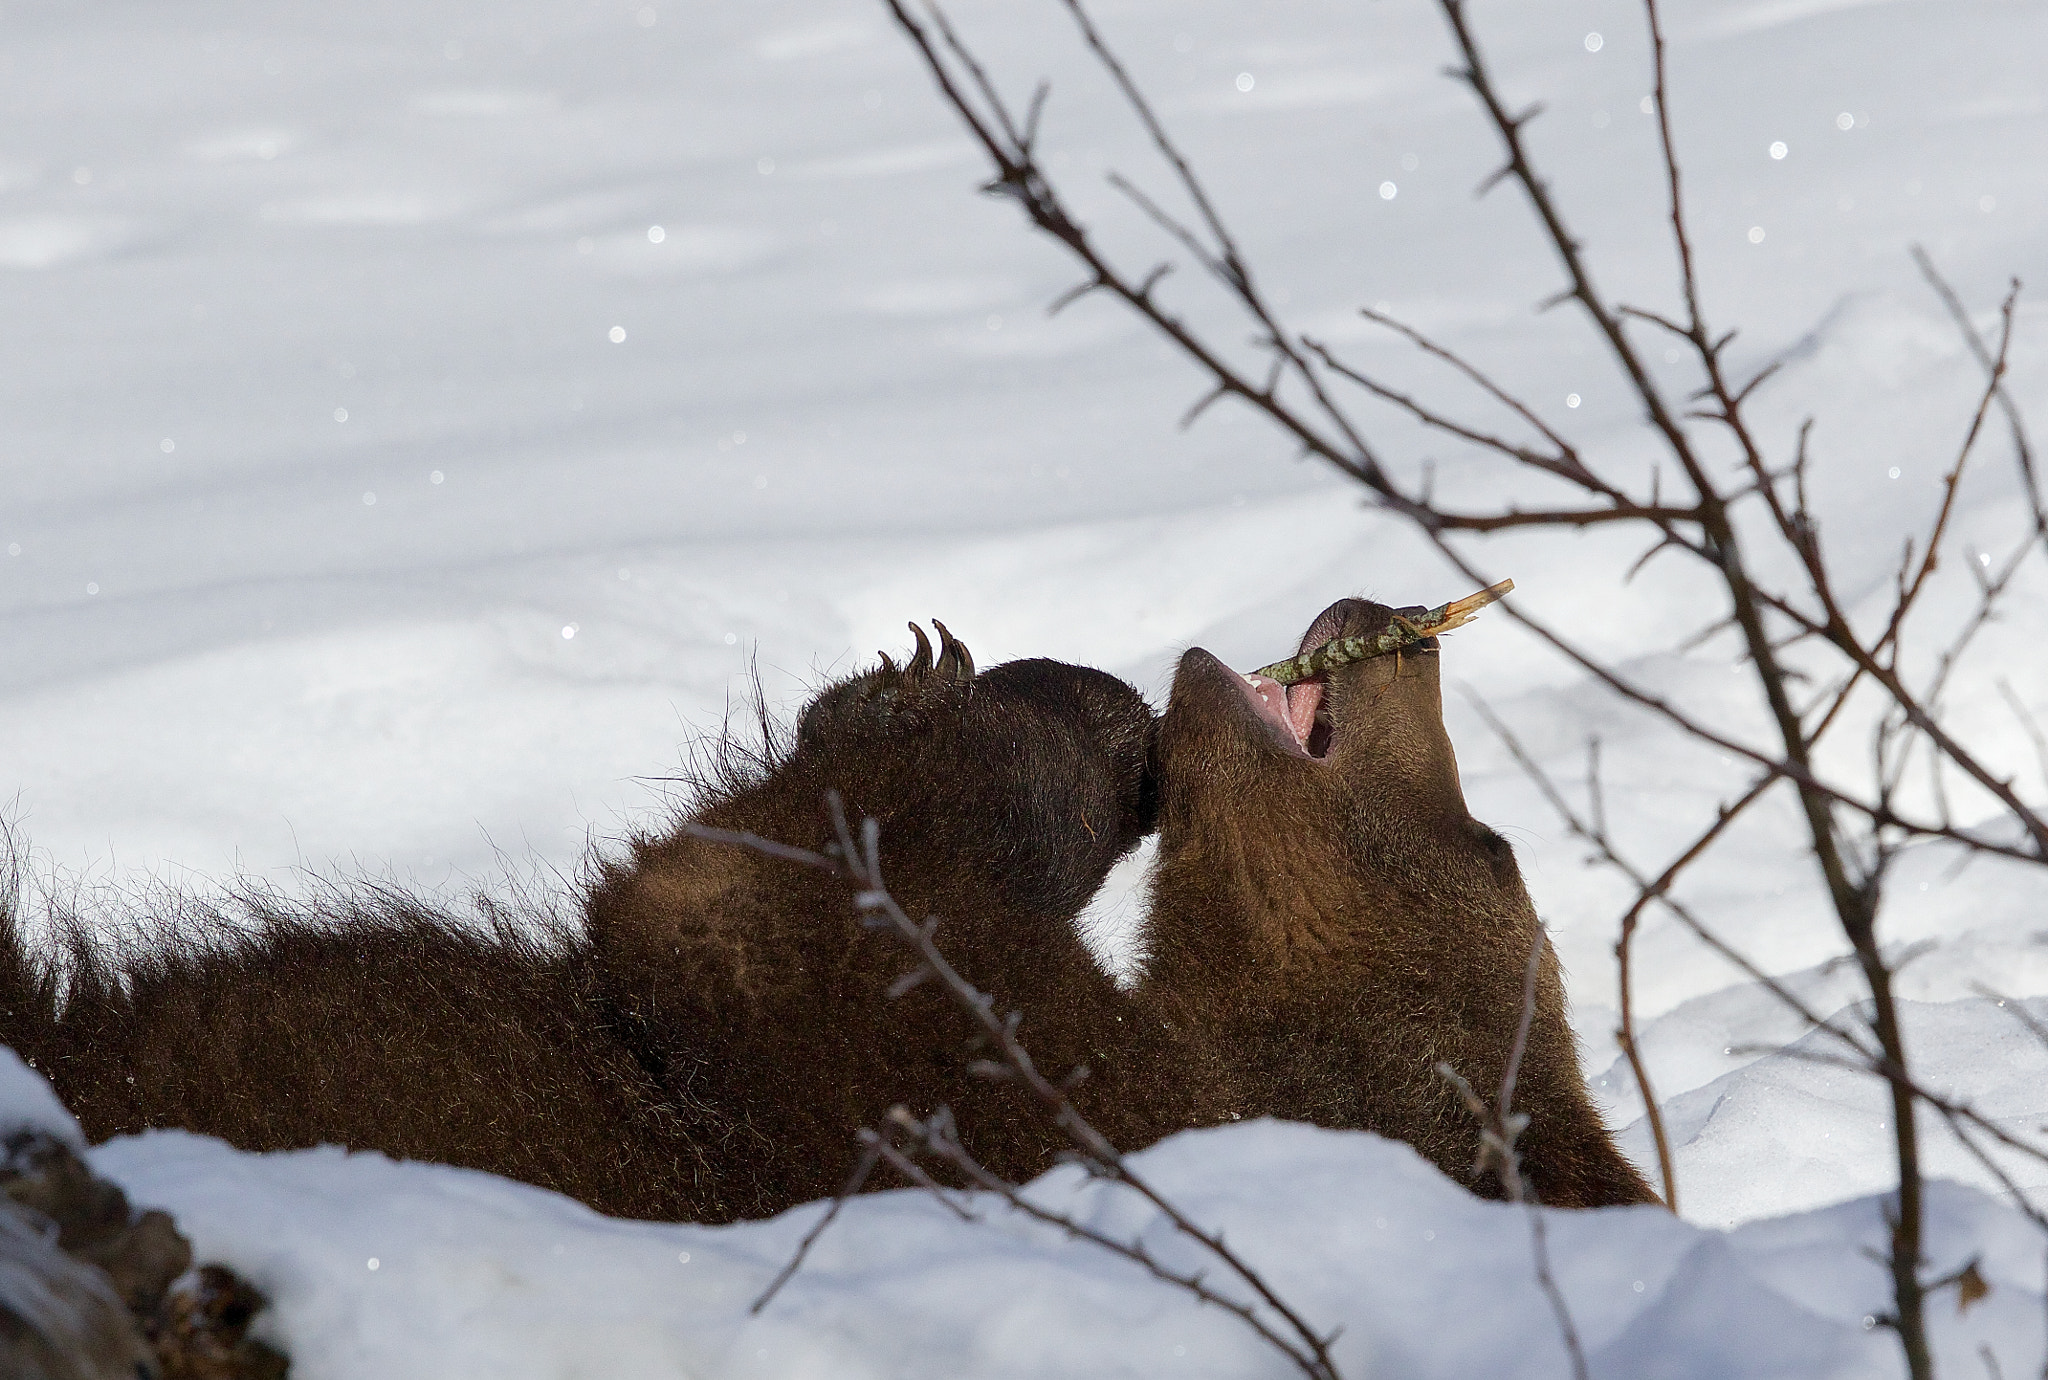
416 418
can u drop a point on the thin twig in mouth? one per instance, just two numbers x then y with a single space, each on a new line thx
1402 632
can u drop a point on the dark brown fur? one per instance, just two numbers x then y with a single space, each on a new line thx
1340 925
750 984
703 1043
704 1046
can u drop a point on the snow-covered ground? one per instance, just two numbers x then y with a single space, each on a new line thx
416 419
382 1269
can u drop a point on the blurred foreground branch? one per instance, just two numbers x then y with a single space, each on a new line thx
904 1139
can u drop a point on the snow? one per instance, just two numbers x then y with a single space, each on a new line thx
377 1268
258 265
27 1101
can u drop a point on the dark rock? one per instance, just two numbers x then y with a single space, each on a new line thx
60 1318
88 1283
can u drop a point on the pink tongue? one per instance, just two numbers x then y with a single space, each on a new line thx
1302 702
1290 708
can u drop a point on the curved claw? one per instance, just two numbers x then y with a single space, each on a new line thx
888 666
922 662
954 658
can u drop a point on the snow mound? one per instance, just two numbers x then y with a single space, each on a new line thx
383 1270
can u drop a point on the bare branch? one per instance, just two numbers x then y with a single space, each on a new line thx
2023 450
1500 1126
2028 722
1568 461
1853 828
862 1168
858 862
936 1139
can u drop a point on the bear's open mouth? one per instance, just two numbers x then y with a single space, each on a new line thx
1298 711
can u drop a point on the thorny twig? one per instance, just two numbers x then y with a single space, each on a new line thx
1500 1126
870 1155
858 862
2023 450
935 1136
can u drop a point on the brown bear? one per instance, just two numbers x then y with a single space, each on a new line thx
1325 908
701 1042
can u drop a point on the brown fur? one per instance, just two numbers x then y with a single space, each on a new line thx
1340 925
1008 799
703 1043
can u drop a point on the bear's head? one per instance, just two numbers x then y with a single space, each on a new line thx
753 993
1325 906
1028 780
1322 813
